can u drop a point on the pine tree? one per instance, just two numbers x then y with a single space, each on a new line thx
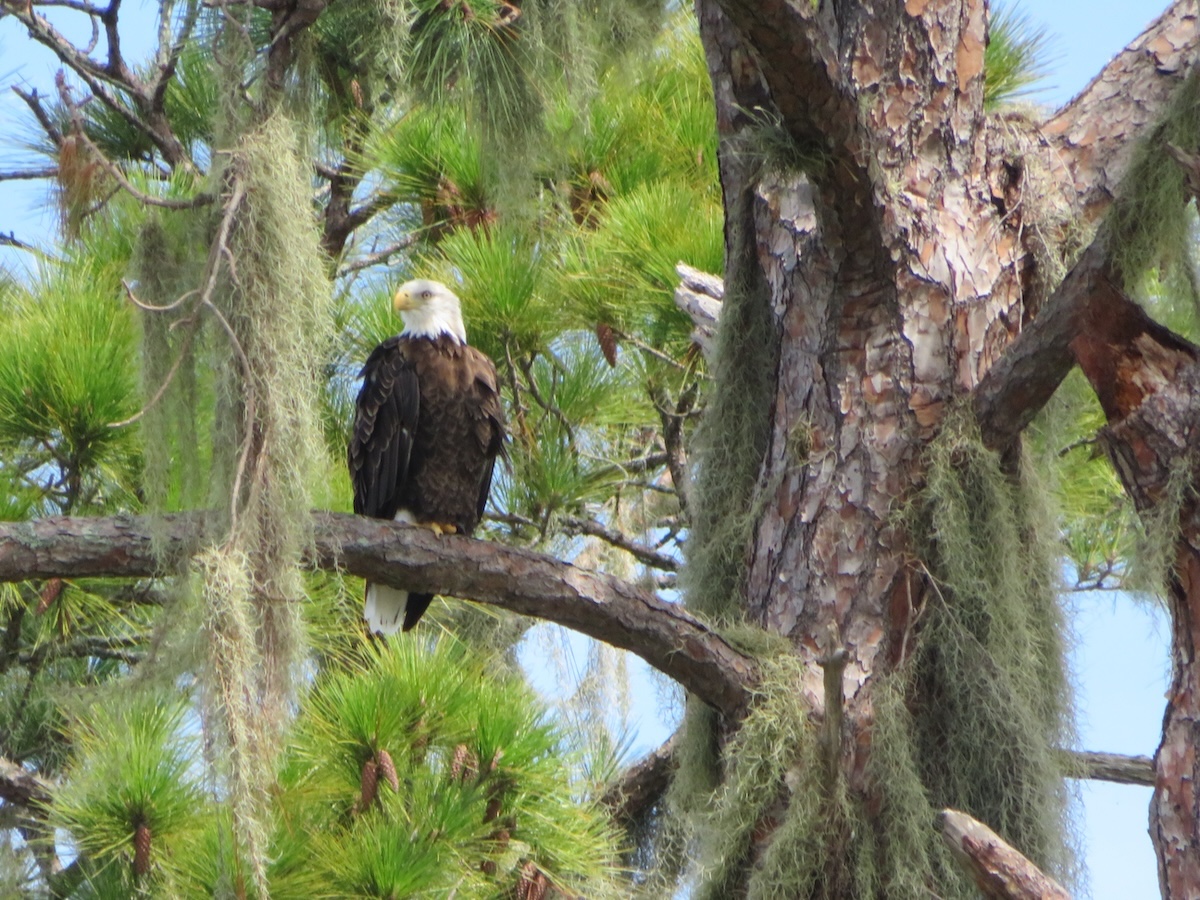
872 631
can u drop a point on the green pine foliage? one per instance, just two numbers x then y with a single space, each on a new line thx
67 374
1016 58
482 794
133 771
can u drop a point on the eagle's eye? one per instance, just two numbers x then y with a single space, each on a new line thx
425 295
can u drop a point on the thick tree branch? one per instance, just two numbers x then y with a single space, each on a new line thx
606 608
998 870
1095 133
1024 379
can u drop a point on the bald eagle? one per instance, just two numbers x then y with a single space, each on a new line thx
428 427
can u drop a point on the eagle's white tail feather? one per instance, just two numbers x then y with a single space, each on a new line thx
384 608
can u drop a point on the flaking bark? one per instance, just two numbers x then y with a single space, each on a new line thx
998 869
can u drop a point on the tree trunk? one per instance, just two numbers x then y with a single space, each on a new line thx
899 269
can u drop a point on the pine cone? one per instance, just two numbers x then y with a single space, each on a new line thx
50 592
457 763
533 884
387 768
370 785
493 809
141 850
608 343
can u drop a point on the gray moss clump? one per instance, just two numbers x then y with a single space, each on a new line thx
986 688
254 331
729 448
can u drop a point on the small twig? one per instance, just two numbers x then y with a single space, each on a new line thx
34 102
532 388
150 307
250 412
11 240
652 351
379 256
1075 445
636 466
80 132
642 552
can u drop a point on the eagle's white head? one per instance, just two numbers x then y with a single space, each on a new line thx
429 309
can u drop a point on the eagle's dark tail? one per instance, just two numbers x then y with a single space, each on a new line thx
414 609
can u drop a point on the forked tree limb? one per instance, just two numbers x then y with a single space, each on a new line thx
998 869
601 606
1024 379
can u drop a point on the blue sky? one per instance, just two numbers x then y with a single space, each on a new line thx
1120 646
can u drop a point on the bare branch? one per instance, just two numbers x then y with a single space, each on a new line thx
1095 133
11 240
34 102
201 199
998 870
122 649
377 257
640 551
1024 379
1088 764
606 608
97 75
29 174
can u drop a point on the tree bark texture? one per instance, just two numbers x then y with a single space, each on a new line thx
998 870
902 269
606 608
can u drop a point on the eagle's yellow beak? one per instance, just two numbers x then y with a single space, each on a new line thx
403 300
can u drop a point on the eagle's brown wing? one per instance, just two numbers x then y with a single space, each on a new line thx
385 422
488 420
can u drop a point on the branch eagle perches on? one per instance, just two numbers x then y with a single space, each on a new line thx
601 606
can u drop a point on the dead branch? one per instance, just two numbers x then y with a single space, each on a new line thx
20 786
998 870
1112 767
377 257
640 551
